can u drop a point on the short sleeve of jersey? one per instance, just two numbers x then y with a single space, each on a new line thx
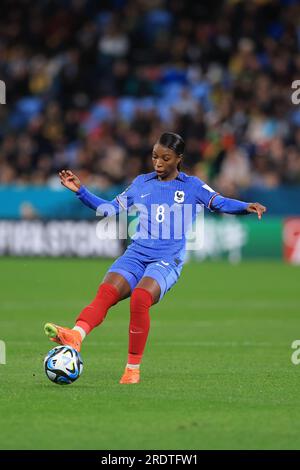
126 198
203 193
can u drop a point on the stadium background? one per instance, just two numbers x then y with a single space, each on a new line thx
90 85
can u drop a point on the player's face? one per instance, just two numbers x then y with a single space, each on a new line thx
165 161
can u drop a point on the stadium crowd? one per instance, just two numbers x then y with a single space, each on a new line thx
91 85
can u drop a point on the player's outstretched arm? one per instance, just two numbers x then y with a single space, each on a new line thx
72 182
233 206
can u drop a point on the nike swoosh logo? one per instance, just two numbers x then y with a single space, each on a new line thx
166 264
144 195
135 331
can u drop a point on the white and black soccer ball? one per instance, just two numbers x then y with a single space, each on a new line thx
63 365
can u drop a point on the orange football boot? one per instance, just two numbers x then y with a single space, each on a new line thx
64 336
130 376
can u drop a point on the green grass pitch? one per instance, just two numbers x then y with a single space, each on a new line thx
217 371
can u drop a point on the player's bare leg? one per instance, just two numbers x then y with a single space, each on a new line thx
146 293
113 289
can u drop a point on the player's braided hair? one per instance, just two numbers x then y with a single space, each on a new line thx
174 142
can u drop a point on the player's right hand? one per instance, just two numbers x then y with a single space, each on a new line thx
69 180
257 208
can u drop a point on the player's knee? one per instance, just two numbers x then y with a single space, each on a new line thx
141 298
107 292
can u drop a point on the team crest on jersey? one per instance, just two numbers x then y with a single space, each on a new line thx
179 196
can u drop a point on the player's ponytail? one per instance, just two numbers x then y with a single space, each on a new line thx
174 142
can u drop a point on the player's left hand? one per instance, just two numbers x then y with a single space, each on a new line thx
256 207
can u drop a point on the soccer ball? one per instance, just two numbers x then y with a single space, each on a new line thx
63 365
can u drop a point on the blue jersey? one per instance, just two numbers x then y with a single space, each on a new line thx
166 210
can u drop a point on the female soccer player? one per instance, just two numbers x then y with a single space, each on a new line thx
152 263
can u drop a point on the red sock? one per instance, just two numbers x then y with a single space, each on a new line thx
140 303
94 313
